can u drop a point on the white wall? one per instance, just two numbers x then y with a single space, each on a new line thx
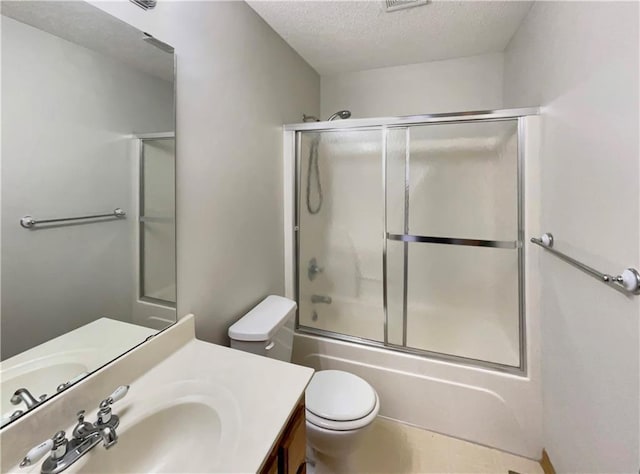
580 62
238 82
471 83
67 116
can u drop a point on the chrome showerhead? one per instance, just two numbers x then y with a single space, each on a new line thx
342 114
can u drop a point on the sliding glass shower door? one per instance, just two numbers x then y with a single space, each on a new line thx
452 240
341 229
411 237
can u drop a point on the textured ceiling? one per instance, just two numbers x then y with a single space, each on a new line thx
88 26
341 36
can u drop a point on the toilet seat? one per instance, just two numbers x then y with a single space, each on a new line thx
340 401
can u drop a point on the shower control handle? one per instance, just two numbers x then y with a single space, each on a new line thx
313 269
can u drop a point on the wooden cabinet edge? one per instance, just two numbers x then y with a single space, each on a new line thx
275 462
546 464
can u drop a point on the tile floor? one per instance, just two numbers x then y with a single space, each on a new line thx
390 447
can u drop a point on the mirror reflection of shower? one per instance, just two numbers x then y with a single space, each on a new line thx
313 170
156 230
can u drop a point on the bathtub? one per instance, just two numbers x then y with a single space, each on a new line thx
494 409
485 406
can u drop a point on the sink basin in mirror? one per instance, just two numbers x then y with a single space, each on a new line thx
88 194
48 368
39 375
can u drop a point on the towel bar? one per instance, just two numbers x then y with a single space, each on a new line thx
628 281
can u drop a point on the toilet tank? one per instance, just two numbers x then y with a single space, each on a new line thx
267 329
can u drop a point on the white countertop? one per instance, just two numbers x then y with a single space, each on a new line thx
252 397
261 392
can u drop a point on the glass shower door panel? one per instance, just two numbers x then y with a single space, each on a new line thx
340 237
157 221
463 180
462 276
463 301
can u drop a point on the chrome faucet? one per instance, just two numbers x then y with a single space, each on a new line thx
313 269
64 452
321 299
101 429
22 395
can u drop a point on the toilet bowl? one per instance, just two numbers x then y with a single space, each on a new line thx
340 406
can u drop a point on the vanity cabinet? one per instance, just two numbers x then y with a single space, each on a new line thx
289 453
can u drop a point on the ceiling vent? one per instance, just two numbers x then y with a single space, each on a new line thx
395 5
145 4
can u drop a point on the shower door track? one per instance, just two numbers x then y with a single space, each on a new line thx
458 360
376 123
384 124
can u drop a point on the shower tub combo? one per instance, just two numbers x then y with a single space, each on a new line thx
405 250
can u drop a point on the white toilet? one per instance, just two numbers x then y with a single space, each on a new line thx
339 406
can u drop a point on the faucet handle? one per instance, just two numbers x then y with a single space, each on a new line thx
37 452
104 413
57 446
118 394
9 417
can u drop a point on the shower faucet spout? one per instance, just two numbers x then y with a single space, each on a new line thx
321 299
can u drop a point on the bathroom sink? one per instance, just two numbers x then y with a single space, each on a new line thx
40 376
180 438
200 408
190 433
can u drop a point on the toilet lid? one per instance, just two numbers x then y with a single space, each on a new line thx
340 396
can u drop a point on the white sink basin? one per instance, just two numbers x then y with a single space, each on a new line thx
181 438
190 434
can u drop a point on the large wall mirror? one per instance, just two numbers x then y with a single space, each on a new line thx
88 195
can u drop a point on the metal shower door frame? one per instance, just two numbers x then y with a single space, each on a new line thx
384 125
